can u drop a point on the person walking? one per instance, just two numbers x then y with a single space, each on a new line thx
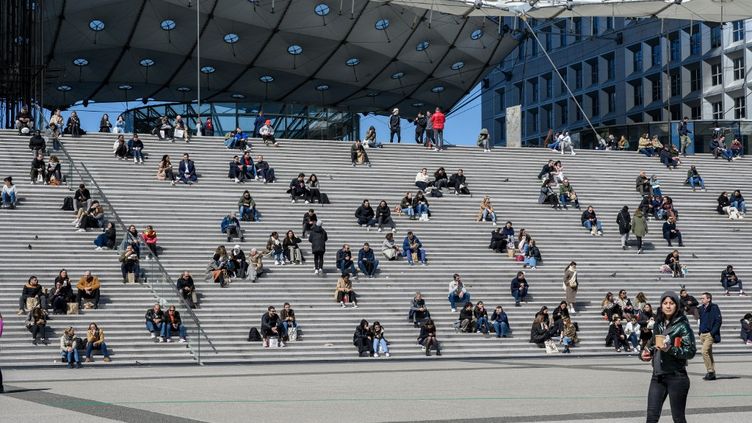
438 119
639 228
710 332
684 135
394 126
672 344
625 225
571 285
318 238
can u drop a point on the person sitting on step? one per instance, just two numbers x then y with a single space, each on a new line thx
427 338
235 171
187 289
498 241
666 159
418 310
61 294
149 235
540 331
370 139
249 169
694 178
591 222
358 154
344 291
270 327
673 262
36 323
609 307
220 270
247 208
736 148
486 211
380 343
88 291
287 320
292 249
137 149
548 194
532 256
617 336
38 168
406 205
546 169
33 291
309 221
367 262
53 174
519 287
267 134
421 207
264 172
274 247
422 180
298 188
187 170
384 216
9 193
718 148
154 321
689 304
365 215
239 262
173 323
480 314
568 335
130 268
165 172
120 149
457 292
440 179
567 194
624 303
345 263
670 232
132 238
466 321
737 201
413 249
746 332
256 267
459 182
92 218
362 339
645 146
95 340
230 226
69 348
389 248
729 279
500 322
314 189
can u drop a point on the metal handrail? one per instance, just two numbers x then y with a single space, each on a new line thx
169 285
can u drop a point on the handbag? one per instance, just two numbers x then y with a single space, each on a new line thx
551 347
573 284
423 217
32 303
510 252
131 277
390 253
292 333
179 133
72 308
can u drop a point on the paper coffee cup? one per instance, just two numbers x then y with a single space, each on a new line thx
660 340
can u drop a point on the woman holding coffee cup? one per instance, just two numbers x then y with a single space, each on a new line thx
672 345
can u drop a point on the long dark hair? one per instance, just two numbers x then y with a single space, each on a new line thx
660 317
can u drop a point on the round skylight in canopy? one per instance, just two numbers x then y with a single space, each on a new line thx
295 49
475 35
231 38
167 24
266 79
398 75
437 89
208 69
96 25
353 61
382 24
458 65
422 45
80 62
64 88
322 87
146 62
321 9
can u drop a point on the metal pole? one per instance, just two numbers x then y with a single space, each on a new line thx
198 60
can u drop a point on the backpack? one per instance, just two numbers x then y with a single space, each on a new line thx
324 199
68 204
436 193
254 335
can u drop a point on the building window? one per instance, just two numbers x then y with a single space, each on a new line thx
637 94
611 65
739 68
716 74
595 26
717 110
562 34
675 49
738 31
611 102
549 39
656 54
675 84
534 89
715 36
562 87
577 22
695 43
596 104
564 113
609 23
549 87
534 49
578 77
594 72
578 112
695 78
740 108
656 90
696 112
502 100
637 59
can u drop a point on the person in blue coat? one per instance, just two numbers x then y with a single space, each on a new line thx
500 322
231 227
187 170
412 245
519 288
367 261
710 332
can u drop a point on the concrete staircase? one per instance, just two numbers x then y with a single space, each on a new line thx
187 221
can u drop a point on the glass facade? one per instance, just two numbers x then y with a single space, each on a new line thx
289 120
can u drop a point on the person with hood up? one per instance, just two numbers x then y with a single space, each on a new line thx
625 225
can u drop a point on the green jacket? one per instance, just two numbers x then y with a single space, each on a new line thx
639 226
675 359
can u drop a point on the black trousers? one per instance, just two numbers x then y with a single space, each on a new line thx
318 259
676 387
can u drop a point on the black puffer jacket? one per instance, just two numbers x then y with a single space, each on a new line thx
318 238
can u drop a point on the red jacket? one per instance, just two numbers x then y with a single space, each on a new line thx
438 120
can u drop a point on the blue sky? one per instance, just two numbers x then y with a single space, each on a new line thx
462 125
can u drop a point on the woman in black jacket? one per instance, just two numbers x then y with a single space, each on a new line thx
669 355
106 239
539 332
318 238
384 216
440 179
362 339
292 250
61 294
672 260
465 320
498 241
427 338
723 201
624 220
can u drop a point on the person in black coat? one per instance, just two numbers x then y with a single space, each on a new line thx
618 339
729 279
187 289
427 338
37 143
384 216
689 304
539 332
671 232
440 179
270 327
107 239
519 288
624 220
365 215
318 238
420 127
466 318
546 169
61 294
394 126
309 220
459 182
498 241
362 339
298 188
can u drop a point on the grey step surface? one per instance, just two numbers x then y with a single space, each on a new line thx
187 221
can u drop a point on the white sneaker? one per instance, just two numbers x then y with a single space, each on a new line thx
281 345
306 202
74 222
375 355
98 249
293 201
81 230
600 233
355 306
394 230
454 310
315 271
387 354
169 340
341 303
182 341
152 335
494 223
379 229
574 154
237 181
368 228
276 262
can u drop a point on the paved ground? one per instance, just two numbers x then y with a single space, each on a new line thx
547 390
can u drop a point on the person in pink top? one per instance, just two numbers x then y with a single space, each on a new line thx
438 120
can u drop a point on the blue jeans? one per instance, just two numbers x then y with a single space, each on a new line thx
740 205
71 356
727 154
482 325
657 192
501 328
137 154
421 256
9 199
567 341
286 325
634 339
589 225
694 180
102 348
486 213
454 298
409 211
167 330
280 256
380 343
154 328
531 261
420 209
649 151
554 145
519 294
364 269
248 212
739 152
348 269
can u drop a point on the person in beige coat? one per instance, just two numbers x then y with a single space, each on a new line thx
344 289
571 285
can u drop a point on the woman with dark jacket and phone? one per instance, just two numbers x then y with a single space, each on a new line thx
427 338
672 344
362 339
